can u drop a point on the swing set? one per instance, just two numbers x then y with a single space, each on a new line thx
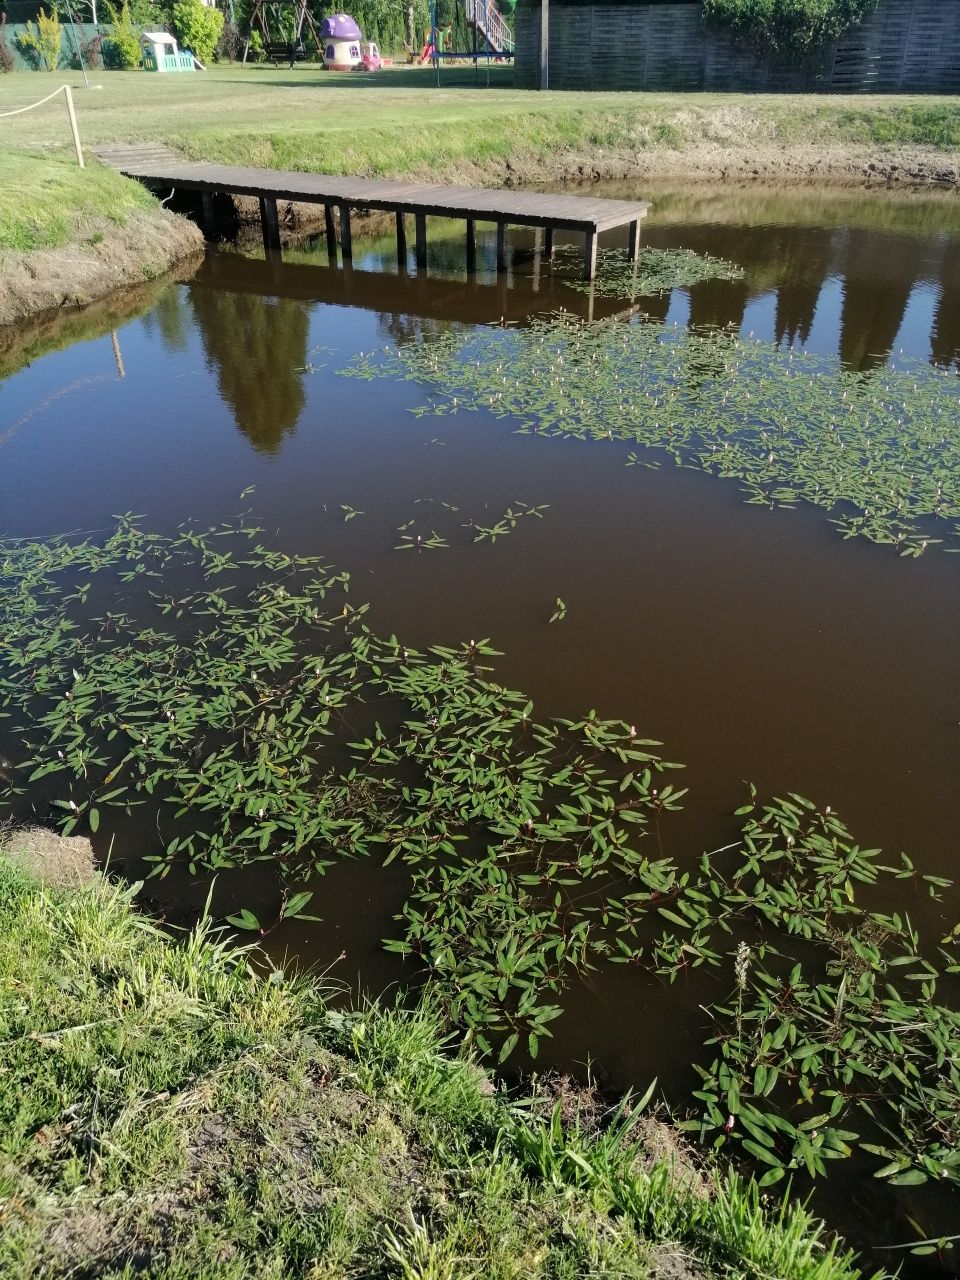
293 20
479 26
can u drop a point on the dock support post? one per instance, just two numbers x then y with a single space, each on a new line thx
271 224
590 256
633 241
208 215
401 242
331 234
346 237
548 244
471 247
501 248
421 224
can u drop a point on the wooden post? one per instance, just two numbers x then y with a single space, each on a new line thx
73 125
209 215
471 247
331 235
401 242
501 248
548 244
590 256
420 219
270 223
544 44
633 242
346 238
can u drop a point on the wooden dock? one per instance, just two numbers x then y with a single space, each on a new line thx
161 169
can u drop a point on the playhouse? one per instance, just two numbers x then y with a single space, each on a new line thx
160 53
341 42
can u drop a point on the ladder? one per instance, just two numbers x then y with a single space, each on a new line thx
488 20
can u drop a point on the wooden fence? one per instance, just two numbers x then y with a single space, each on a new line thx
903 46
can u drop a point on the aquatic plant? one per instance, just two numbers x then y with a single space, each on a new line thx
234 690
236 703
834 1019
507 522
880 450
654 271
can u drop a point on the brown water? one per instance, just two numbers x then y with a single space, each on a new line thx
754 644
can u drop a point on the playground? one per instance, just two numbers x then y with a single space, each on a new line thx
474 31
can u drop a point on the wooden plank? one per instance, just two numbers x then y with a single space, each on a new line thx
633 241
401 241
590 256
331 230
270 224
346 236
209 215
420 222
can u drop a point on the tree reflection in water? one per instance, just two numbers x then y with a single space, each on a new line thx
258 348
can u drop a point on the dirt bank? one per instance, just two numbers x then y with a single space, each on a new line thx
842 167
848 165
41 283
59 861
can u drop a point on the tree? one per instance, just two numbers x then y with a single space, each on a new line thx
124 42
44 39
198 27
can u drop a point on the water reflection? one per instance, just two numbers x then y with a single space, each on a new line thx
169 320
257 346
805 264
945 339
853 277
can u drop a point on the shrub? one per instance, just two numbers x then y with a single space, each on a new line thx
123 42
256 50
230 45
792 26
198 27
6 53
44 39
91 52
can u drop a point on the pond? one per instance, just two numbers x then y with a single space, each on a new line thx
748 637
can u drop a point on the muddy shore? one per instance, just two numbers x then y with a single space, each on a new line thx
39 286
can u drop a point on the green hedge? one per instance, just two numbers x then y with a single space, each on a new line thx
797 26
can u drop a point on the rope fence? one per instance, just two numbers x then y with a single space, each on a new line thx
72 115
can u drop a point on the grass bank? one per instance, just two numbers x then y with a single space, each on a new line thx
48 202
69 236
169 1112
398 122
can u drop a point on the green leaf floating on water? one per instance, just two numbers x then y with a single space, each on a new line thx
654 272
879 451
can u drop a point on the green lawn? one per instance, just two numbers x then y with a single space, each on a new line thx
46 202
398 121
168 1112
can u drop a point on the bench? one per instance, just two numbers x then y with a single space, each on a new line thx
285 51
